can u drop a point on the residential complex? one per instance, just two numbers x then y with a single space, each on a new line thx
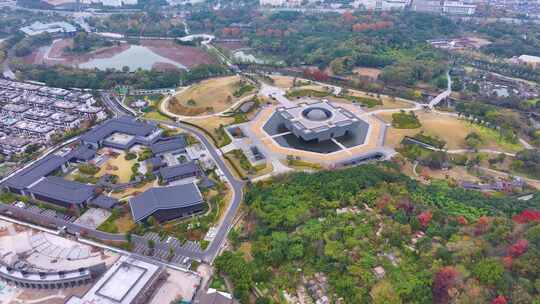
443 7
34 113
112 3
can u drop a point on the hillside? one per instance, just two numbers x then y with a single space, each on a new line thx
371 235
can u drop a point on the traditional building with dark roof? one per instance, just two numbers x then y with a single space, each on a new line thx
121 133
178 172
169 145
59 191
167 203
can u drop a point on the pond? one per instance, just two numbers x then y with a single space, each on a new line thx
135 57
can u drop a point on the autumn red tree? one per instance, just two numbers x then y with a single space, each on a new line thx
425 217
348 17
518 248
507 262
445 279
499 300
315 74
482 225
527 216
462 220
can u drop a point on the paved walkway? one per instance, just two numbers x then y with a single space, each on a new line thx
435 101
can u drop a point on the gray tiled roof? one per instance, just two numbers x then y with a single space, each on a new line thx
37 170
178 170
214 298
161 198
123 125
63 190
104 201
156 162
169 144
83 153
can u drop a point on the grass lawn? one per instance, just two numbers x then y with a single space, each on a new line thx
258 170
301 164
368 72
284 82
450 129
211 125
209 96
493 140
316 91
125 223
154 115
118 166
245 248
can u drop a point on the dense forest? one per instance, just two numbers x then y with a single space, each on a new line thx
396 41
436 244
149 23
67 77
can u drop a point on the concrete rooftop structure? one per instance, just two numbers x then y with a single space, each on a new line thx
125 282
318 121
37 28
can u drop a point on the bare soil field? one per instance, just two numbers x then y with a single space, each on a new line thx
118 166
283 82
368 72
206 97
188 56
55 53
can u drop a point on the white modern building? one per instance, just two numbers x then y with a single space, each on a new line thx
443 7
458 8
37 28
129 280
111 3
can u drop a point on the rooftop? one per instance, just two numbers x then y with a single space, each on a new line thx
118 125
164 198
122 283
169 144
37 28
178 170
104 201
63 190
317 117
529 58
37 170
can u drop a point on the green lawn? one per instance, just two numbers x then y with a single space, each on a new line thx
156 116
490 135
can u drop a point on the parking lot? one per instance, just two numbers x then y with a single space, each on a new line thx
44 212
161 249
93 217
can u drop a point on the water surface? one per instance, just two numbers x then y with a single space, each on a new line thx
136 57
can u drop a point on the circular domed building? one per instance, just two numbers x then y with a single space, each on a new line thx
318 121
